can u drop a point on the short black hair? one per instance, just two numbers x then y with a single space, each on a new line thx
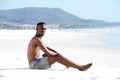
40 23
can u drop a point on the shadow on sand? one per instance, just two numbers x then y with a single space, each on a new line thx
14 69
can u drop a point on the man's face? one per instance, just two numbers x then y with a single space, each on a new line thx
41 30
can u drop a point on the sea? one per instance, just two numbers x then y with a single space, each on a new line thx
111 36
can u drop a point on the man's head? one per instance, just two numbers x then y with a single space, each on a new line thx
40 29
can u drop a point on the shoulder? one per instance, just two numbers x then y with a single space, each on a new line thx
36 40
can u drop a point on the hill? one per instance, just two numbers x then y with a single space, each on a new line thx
32 15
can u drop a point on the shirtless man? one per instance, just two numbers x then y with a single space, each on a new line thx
50 56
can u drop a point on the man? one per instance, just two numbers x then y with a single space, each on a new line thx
50 56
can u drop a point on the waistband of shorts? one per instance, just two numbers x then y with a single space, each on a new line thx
36 60
33 60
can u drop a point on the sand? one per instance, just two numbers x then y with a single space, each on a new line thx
77 46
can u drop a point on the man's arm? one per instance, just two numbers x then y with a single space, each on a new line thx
44 55
52 50
40 44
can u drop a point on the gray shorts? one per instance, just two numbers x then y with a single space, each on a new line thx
40 63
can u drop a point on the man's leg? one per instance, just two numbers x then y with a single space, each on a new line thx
61 59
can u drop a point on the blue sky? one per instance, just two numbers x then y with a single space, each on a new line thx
108 10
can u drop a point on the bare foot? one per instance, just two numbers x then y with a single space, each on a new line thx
85 67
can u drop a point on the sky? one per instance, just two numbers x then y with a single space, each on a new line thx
107 10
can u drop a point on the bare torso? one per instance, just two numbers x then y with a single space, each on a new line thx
33 50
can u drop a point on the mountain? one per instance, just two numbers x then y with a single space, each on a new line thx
33 15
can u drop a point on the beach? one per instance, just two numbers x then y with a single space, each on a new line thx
84 46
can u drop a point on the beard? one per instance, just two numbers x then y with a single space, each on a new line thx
39 35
